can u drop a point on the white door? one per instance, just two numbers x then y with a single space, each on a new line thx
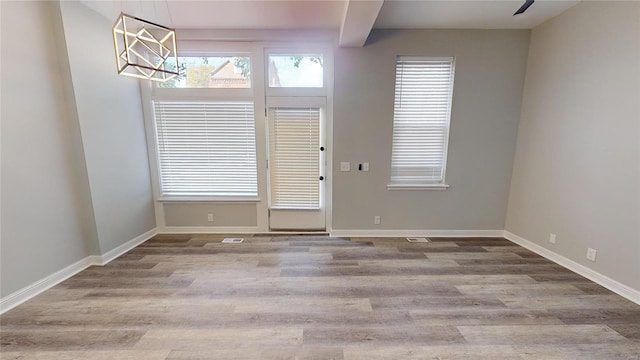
296 163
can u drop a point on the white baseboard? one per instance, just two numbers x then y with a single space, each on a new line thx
412 233
12 300
16 298
209 230
333 232
607 282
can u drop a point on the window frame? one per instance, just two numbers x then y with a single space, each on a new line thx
255 45
200 54
191 93
203 197
427 184
297 91
156 93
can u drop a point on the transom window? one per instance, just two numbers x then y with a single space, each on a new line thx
214 72
296 70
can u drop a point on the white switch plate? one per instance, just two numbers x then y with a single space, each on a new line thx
376 220
209 217
365 166
552 238
345 166
591 254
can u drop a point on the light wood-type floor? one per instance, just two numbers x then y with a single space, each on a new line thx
313 297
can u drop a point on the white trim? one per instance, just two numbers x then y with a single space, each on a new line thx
200 94
18 297
14 299
297 101
417 187
245 231
219 200
613 285
210 230
397 118
416 233
334 233
120 250
259 96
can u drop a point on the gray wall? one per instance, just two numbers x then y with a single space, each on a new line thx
42 215
75 172
109 110
224 214
489 76
576 171
195 214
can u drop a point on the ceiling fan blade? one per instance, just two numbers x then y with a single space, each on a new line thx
524 7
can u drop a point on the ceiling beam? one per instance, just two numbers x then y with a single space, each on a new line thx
358 21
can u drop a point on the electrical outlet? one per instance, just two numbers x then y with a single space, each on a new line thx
376 220
591 254
210 217
552 238
365 166
345 166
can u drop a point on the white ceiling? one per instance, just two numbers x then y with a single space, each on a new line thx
470 14
230 14
354 18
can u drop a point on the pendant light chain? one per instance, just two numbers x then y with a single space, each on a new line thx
166 2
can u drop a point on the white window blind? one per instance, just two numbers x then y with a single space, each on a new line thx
294 157
421 116
206 148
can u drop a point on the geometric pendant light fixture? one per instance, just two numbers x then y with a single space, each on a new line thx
144 49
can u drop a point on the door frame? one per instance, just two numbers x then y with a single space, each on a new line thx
326 92
300 102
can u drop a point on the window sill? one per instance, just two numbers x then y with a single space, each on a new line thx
417 187
296 209
194 199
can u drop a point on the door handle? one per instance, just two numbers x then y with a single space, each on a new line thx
321 148
321 177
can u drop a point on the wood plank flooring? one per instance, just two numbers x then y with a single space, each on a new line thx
313 297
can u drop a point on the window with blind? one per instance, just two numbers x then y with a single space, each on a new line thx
294 157
422 109
206 148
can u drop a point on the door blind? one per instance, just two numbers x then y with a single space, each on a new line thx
206 148
294 157
421 120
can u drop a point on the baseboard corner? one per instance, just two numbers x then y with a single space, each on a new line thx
619 288
20 296
122 249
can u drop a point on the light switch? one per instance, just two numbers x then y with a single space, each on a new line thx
345 166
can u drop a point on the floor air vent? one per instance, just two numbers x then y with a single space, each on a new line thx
417 239
232 240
